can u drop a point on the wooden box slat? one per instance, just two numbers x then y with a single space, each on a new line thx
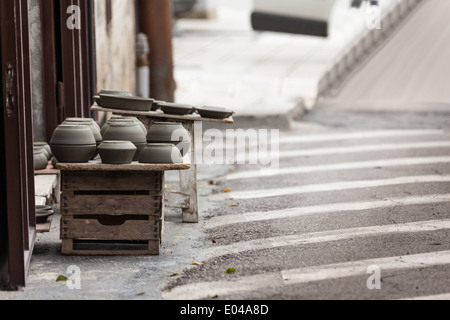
111 205
111 181
71 247
93 229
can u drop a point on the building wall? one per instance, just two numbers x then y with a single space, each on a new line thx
116 45
34 22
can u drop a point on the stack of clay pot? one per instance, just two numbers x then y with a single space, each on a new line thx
117 152
168 143
93 126
42 155
126 130
171 133
73 143
120 118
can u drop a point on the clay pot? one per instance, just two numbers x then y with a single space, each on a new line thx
176 109
126 131
73 143
117 152
67 134
97 100
42 213
74 153
40 161
44 151
124 102
157 105
45 146
214 112
87 120
172 133
119 118
43 207
117 92
91 125
161 153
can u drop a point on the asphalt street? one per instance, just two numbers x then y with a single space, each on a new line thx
359 208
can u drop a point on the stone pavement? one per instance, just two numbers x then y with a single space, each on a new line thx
265 76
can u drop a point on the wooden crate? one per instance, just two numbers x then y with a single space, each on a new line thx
112 212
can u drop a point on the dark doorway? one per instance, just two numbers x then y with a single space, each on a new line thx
69 73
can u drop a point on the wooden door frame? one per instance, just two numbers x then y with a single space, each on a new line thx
17 133
69 60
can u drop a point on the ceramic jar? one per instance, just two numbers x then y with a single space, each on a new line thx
172 133
42 213
87 120
40 160
117 152
91 125
119 118
127 131
73 143
161 153
44 151
45 146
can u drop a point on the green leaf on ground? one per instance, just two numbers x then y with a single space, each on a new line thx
230 270
62 279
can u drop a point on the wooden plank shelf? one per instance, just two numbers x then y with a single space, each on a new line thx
97 165
161 115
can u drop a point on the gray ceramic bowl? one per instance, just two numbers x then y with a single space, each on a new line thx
74 153
87 120
44 213
67 134
117 152
117 92
127 131
113 119
176 109
122 102
91 125
167 132
161 153
170 132
43 150
43 207
214 112
97 100
119 118
157 105
40 161
44 145
94 128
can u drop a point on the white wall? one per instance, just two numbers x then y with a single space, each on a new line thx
116 50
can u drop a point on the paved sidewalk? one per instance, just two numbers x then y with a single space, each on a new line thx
264 75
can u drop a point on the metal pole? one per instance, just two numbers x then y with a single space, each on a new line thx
155 19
